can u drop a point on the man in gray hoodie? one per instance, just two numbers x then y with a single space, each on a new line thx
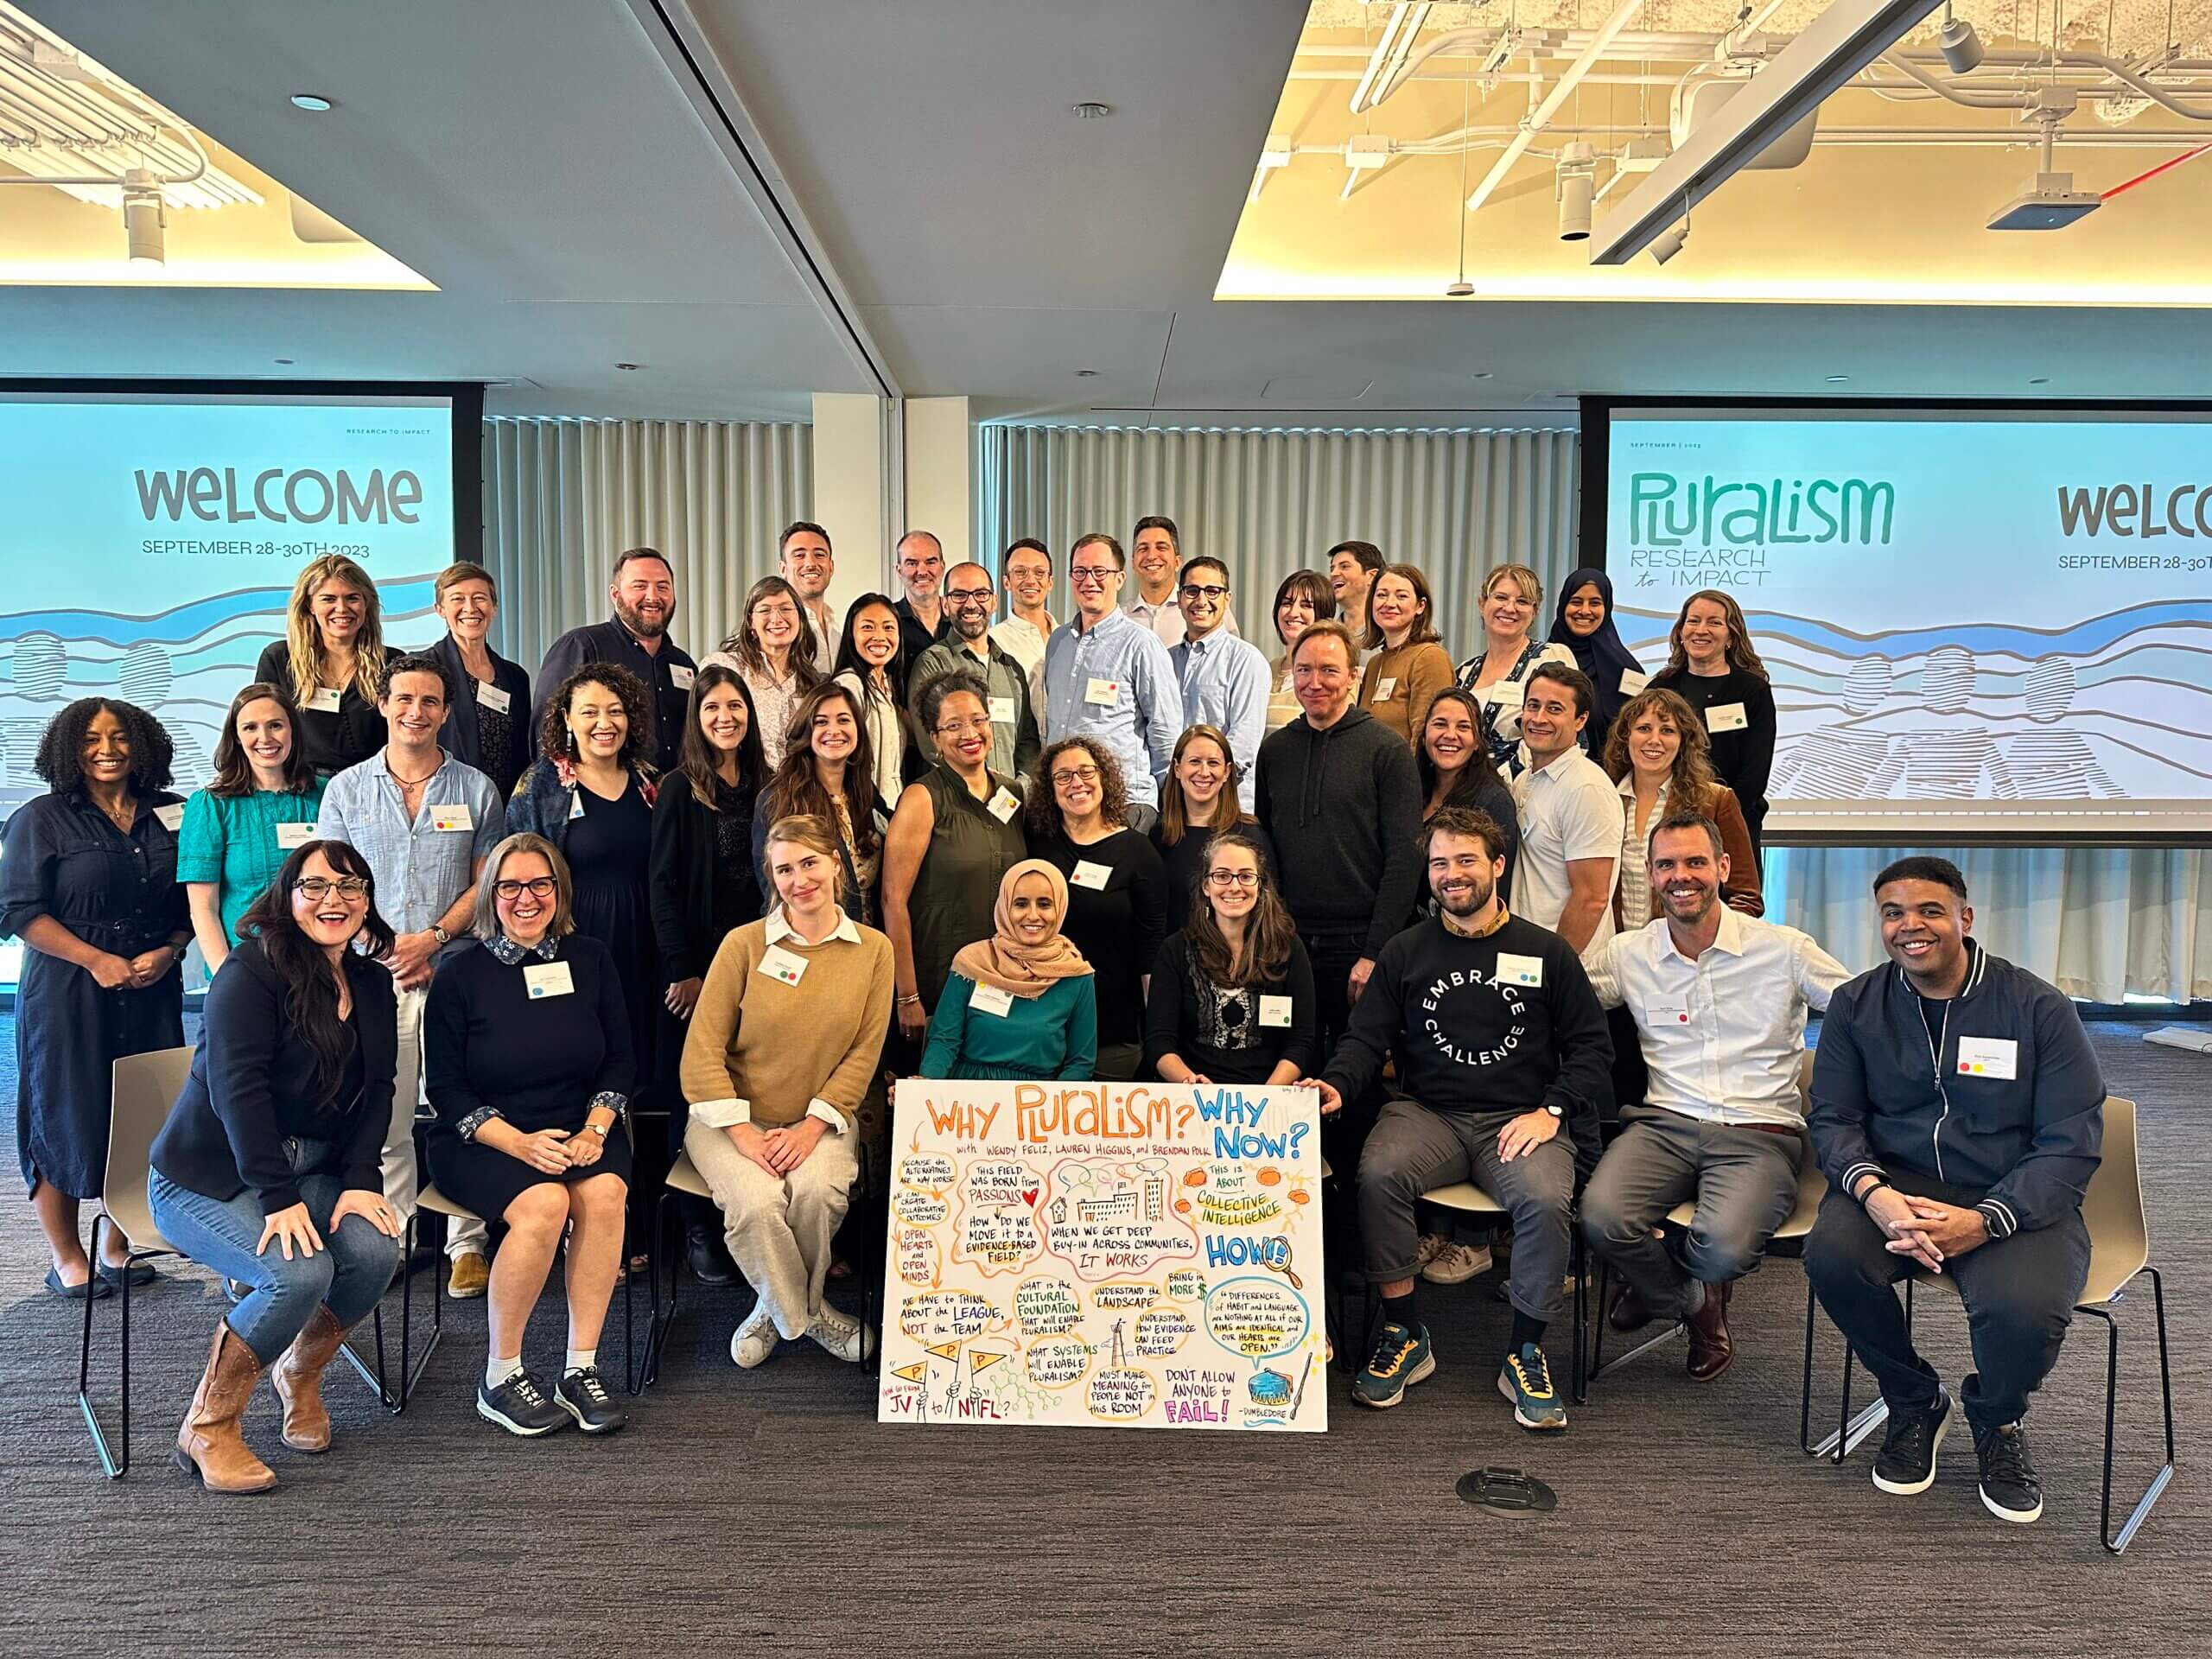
1338 794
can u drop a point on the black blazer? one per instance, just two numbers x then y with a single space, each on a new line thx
253 1085
332 741
681 879
461 738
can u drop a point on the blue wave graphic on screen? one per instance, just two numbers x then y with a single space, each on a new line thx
2082 638
400 597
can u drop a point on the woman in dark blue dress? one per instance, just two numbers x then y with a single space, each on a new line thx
89 884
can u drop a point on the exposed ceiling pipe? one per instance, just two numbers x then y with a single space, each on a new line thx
1389 55
1569 78
1943 88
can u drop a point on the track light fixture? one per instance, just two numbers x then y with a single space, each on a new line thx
1669 243
143 216
1575 184
1961 47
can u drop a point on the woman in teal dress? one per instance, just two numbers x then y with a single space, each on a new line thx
238 831
1019 1006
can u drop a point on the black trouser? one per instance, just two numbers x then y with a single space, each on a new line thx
1343 1134
2019 1295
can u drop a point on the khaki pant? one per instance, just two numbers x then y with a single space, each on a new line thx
779 1227
403 1179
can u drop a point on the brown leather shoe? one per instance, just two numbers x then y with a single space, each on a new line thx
1710 1349
1628 1312
209 1444
298 1379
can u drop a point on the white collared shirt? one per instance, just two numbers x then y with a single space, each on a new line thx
724 1114
1568 810
1723 1036
1166 619
1023 642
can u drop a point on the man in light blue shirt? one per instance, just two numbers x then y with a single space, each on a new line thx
425 822
1107 677
1226 683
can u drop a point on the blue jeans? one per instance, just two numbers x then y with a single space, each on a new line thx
350 1272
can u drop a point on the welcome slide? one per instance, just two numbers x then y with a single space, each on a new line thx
150 544
1975 624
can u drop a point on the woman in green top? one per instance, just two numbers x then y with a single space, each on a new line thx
238 831
1017 1006
957 832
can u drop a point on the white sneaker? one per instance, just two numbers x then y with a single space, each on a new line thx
1456 1263
848 1339
1427 1250
751 1343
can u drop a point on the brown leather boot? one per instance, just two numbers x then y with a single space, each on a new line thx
1628 1312
209 1444
298 1378
1710 1349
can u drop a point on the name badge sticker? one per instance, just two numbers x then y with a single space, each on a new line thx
1274 1011
1632 682
679 677
1520 971
1105 694
1003 806
326 701
1088 874
1502 693
170 817
576 806
290 835
452 818
1002 711
993 999
548 979
1726 718
492 697
785 967
1662 1013
1989 1057
1384 687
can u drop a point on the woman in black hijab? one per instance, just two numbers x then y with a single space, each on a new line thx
1584 625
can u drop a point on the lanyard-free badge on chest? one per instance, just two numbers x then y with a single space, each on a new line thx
785 967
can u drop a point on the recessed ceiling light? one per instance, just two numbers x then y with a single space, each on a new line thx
1091 109
625 367
314 103
1838 380
1086 374
2040 380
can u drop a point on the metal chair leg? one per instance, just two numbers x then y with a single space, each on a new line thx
662 1316
114 1462
2141 1512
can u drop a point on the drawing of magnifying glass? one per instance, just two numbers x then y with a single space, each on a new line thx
1274 1257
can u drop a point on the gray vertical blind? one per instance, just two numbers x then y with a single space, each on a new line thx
562 498
1454 503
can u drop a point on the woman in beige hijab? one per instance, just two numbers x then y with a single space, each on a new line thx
1017 1006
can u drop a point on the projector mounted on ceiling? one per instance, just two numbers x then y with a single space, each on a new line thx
2050 203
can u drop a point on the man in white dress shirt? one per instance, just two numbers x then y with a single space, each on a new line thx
1570 814
1720 1001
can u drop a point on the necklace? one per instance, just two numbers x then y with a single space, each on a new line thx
413 783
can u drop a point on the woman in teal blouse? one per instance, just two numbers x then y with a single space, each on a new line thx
1019 1005
238 831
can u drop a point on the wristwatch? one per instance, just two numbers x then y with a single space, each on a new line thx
438 933
1554 1111
600 1130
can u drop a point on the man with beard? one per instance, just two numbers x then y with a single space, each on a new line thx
1958 1113
643 597
1503 1064
968 600
1720 1001
804 559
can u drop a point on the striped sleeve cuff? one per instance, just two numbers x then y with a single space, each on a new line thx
822 1109
1997 1217
1863 1168
722 1113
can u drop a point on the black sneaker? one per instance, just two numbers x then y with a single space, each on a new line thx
1907 1462
584 1397
2009 1489
520 1407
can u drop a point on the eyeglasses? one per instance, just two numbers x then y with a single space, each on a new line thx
1076 775
954 727
1234 877
541 887
1085 574
1193 590
317 888
969 595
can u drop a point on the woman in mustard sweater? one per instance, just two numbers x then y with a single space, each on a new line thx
784 1042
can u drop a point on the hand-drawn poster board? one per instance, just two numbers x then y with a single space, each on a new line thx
1105 1254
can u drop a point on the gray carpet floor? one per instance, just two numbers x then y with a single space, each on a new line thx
768 1512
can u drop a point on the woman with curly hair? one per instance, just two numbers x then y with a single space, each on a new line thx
89 883
828 772
591 793
1660 757
1117 898
772 650
331 660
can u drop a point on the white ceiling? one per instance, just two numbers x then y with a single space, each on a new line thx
539 162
